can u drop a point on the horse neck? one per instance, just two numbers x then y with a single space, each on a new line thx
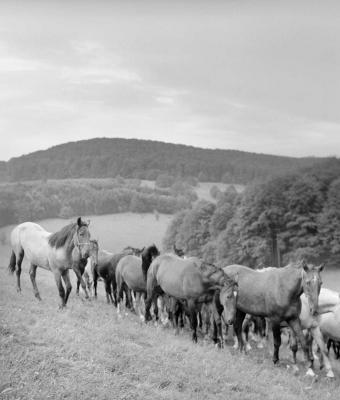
292 277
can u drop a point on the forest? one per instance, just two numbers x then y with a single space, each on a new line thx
66 198
271 223
145 159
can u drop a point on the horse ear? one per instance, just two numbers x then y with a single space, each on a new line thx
304 265
79 221
88 222
321 267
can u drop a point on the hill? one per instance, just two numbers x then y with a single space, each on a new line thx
144 159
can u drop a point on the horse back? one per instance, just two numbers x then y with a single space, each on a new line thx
259 292
129 269
33 240
178 277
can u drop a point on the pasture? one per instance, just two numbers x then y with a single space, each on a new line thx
87 351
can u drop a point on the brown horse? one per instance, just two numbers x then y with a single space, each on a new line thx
193 284
275 294
57 252
129 273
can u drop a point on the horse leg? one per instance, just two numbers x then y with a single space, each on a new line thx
317 336
238 323
245 331
293 345
95 282
18 270
108 291
277 341
32 272
114 291
217 310
78 284
193 319
66 278
295 325
128 298
57 277
76 270
151 293
155 307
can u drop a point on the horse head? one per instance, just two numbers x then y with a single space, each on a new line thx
81 238
228 298
311 284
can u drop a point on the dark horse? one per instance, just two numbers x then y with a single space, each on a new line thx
275 293
57 252
193 283
130 276
106 269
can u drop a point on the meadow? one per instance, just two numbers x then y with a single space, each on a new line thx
87 351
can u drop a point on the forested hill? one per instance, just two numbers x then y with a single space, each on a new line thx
144 159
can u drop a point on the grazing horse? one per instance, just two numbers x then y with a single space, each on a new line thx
184 280
106 269
130 276
57 252
93 260
275 293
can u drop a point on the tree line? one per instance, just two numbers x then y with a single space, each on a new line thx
271 223
145 159
66 198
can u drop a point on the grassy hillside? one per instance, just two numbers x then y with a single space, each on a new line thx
144 159
87 351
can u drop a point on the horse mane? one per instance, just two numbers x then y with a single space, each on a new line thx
63 236
147 257
214 274
94 242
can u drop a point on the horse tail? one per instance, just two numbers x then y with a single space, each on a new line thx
12 262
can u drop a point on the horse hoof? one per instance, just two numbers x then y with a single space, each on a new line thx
310 372
330 374
247 347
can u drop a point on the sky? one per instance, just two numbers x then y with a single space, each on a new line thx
252 75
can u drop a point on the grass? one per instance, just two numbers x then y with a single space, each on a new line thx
88 352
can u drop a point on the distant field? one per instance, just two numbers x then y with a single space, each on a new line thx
116 231
203 188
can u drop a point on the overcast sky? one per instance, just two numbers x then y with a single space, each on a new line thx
260 76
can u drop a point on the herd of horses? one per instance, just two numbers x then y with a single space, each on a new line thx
187 286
